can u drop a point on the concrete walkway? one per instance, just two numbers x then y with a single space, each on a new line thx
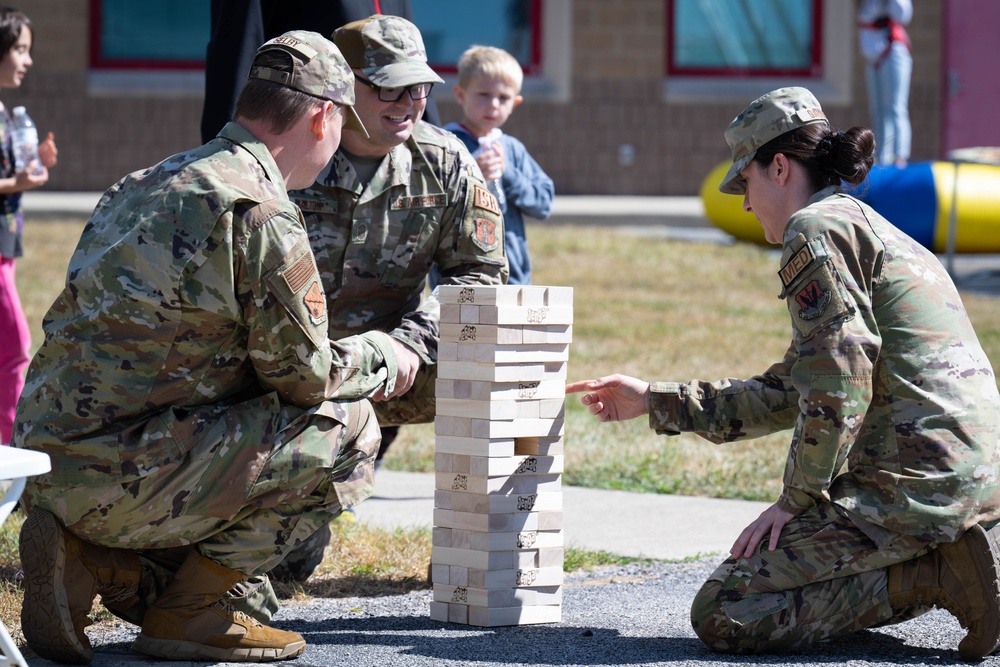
648 525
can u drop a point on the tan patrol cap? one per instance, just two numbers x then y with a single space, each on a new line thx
318 69
766 118
388 49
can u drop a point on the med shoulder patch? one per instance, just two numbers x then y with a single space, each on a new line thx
812 288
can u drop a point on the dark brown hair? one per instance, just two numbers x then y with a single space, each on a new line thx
12 22
828 157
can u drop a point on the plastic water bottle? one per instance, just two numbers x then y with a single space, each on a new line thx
25 140
492 180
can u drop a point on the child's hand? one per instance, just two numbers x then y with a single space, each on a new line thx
47 152
491 162
26 180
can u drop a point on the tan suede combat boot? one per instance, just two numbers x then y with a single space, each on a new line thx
62 575
191 620
962 577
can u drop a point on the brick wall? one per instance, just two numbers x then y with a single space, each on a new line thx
617 99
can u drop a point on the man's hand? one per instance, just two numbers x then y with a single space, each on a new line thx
615 398
769 523
407 365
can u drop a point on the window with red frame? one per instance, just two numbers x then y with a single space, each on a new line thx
152 34
744 38
172 34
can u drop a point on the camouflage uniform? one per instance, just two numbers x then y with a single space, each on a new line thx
374 245
894 406
884 373
186 391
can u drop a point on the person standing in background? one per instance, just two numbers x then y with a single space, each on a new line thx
15 44
240 26
488 90
885 47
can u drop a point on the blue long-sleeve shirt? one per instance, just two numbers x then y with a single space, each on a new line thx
528 190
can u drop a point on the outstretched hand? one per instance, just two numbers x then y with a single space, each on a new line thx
614 398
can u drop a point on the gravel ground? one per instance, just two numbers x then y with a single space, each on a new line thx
621 616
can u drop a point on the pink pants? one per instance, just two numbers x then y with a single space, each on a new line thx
15 343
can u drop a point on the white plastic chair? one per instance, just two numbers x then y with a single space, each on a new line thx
16 465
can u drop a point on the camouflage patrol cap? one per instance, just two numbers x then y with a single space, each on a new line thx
388 49
767 117
318 69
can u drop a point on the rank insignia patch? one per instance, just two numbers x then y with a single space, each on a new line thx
315 301
485 234
812 300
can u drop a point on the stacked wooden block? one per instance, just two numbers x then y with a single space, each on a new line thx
498 548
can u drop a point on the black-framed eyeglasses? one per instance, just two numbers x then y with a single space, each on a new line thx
417 91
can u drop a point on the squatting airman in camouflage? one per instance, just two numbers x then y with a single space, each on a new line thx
891 484
384 211
192 405
387 208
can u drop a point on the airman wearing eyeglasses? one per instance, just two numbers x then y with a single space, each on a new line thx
384 211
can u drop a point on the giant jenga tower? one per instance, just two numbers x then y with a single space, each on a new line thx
497 555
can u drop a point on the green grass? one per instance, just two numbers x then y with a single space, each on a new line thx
648 307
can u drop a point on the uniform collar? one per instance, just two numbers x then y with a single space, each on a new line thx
239 135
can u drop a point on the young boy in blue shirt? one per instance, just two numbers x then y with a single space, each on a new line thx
488 89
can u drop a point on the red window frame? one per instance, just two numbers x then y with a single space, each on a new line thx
98 61
814 70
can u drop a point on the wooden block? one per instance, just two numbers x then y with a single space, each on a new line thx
491 617
459 576
494 353
498 597
441 537
459 427
458 613
480 578
450 313
495 503
514 465
483 428
504 484
465 407
547 315
441 574
445 462
463 445
511 334
529 539
519 354
541 334
439 612
549 408
470 314
468 370
462 539
513 295
515 522
484 390
494 560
